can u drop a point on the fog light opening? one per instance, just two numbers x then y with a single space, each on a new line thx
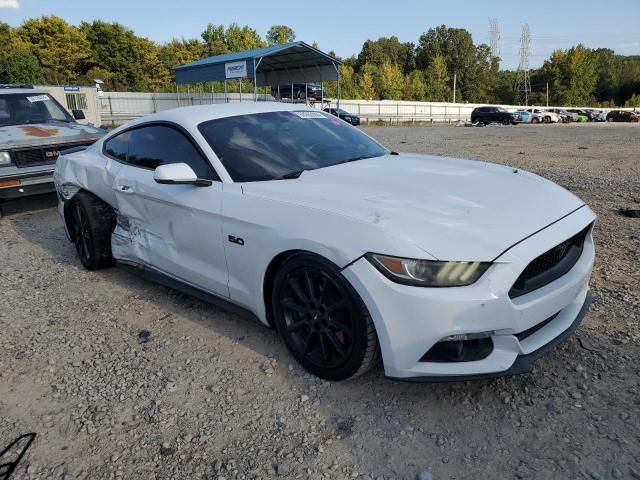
460 348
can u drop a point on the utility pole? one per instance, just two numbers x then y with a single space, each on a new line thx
547 94
454 86
524 80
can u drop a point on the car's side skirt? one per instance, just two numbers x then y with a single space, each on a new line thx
156 276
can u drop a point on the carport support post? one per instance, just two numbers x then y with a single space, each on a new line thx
226 96
240 83
255 84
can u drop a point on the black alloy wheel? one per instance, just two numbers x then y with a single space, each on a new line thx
91 223
82 234
322 320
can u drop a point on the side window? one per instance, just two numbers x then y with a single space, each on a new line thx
118 146
156 145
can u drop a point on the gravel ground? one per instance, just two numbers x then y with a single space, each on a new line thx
209 395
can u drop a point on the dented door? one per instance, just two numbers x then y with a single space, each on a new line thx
176 229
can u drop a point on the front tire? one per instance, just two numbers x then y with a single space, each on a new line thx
93 222
322 320
506 121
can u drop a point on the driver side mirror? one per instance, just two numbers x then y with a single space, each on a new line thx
179 174
78 114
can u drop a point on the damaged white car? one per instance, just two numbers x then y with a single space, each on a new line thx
444 268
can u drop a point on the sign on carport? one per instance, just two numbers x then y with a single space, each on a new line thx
235 69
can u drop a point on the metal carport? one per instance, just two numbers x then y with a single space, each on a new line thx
285 64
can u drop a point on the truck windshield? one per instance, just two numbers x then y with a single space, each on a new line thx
275 145
26 108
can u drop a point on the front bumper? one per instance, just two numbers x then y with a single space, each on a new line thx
22 185
411 320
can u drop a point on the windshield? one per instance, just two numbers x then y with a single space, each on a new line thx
268 146
500 109
24 108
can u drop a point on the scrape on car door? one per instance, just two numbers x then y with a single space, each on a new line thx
176 229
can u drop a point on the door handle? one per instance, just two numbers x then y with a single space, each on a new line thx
125 189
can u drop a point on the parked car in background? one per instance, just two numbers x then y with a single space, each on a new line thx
543 116
589 113
301 91
565 115
444 268
34 130
485 115
344 115
601 116
525 117
622 116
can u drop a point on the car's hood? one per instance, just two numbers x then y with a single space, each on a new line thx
14 136
452 209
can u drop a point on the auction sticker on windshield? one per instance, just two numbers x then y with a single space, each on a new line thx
306 114
38 98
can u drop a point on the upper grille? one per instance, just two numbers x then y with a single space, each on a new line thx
33 157
550 266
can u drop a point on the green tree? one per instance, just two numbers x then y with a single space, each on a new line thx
114 50
348 83
5 40
20 66
62 49
456 47
218 40
242 38
279 34
415 86
366 83
391 81
179 52
572 76
156 76
392 50
437 80
634 101
214 38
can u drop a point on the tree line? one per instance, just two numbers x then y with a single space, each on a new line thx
50 50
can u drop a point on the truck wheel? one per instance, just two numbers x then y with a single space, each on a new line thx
506 121
92 223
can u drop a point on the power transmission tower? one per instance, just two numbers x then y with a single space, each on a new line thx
524 80
494 37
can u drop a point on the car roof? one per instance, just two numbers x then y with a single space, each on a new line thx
197 114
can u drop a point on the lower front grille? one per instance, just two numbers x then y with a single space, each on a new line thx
551 265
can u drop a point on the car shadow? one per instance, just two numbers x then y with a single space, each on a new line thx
31 203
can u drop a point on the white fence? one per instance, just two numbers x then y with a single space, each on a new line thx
119 107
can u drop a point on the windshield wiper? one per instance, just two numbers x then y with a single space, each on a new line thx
354 159
289 175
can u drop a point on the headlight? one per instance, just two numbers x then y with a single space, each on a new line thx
5 158
428 273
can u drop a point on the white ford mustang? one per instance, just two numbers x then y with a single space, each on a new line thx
445 268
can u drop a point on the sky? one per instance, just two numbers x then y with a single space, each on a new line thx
343 26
